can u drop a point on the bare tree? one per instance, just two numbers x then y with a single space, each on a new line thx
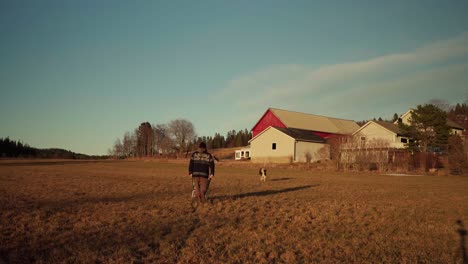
362 154
144 140
441 104
379 153
457 155
162 141
337 149
182 132
117 149
129 144
323 153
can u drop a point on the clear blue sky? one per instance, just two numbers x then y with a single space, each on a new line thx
78 74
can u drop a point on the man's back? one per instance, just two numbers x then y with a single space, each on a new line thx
201 164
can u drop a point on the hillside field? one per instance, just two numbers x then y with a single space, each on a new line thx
140 212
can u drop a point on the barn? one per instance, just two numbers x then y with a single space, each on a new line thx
288 136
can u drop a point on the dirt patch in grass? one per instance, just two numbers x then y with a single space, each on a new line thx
140 212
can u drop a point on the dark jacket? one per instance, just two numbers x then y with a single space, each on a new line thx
201 164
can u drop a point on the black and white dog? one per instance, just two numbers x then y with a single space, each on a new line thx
263 173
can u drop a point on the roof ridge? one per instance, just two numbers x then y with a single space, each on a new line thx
455 123
389 126
297 112
295 128
386 122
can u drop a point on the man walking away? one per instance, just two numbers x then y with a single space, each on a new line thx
201 169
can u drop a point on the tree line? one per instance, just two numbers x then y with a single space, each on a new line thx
232 139
173 139
17 149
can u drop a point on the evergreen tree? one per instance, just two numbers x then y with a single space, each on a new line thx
428 128
459 114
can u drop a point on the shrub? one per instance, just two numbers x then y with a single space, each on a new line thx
457 155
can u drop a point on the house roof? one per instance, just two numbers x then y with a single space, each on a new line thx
301 134
390 126
452 124
387 125
403 115
296 133
315 122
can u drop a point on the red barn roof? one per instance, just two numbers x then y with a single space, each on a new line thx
320 125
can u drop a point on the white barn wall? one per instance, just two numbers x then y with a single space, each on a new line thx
376 132
261 151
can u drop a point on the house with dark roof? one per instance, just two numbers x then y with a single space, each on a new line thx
391 133
381 133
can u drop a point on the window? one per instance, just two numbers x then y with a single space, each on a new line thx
363 138
404 140
273 146
247 153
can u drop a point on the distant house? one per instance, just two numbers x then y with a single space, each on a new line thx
383 132
285 136
455 128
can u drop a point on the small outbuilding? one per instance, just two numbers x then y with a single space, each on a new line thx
242 154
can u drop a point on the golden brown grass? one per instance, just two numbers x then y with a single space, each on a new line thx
123 212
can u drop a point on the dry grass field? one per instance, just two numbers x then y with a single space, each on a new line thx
140 212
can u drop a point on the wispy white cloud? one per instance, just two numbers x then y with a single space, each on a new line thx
356 90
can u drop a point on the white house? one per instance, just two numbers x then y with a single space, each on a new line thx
381 133
283 145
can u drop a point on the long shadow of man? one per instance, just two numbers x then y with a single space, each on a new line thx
462 232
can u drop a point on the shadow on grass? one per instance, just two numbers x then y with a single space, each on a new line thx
462 232
262 193
137 241
281 179
80 199
53 163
